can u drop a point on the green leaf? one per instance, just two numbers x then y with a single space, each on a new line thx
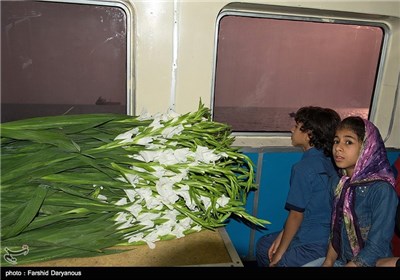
27 215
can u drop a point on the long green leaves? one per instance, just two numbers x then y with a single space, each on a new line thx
76 185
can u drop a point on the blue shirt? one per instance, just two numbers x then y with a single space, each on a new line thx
375 207
309 193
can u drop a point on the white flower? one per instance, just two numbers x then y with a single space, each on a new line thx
165 190
152 146
203 154
120 178
222 201
163 229
181 226
121 217
197 228
135 209
178 231
147 218
126 137
147 155
144 140
181 155
173 143
170 131
223 154
159 171
144 115
156 124
178 177
185 222
170 215
184 193
102 197
136 237
171 114
125 220
131 194
150 239
206 201
144 192
122 201
132 178
137 168
160 117
167 157
151 201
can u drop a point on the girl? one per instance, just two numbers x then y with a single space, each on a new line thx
365 200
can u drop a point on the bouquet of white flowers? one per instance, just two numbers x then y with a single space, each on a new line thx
76 185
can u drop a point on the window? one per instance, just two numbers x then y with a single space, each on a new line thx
63 58
267 66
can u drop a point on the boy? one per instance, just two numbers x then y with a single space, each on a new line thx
307 227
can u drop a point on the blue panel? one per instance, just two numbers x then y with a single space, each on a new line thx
238 232
274 187
393 155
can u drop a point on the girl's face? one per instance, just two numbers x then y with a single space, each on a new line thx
300 138
346 149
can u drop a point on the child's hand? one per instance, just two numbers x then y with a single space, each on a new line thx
272 250
274 246
275 259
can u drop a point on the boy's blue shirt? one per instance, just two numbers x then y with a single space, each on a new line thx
310 193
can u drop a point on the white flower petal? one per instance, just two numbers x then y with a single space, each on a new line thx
122 179
135 209
172 114
156 124
126 137
197 228
163 229
125 220
144 115
178 231
170 131
102 197
167 157
143 140
131 194
122 201
223 200
147 218
181 155
203 154
206 201
165 190
147 155
150 239
136 237
132 178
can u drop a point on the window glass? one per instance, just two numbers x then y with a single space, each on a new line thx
266 68
62 58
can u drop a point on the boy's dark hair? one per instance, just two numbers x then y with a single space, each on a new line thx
356 124
320 124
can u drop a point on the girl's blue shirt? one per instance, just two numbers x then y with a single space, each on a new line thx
375 207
